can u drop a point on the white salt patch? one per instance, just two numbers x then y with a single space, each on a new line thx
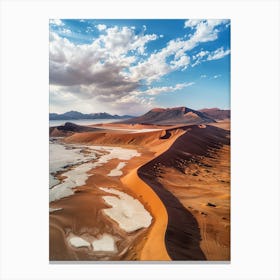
54 209
115 152
75 177
59 192
117 171
106 244
63 156
78 175
78 242
128 212
52 180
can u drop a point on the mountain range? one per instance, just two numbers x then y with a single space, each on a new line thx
158 116
216 113
74 115
172 116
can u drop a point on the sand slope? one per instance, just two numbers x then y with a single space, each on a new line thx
154 245
182 237
184 227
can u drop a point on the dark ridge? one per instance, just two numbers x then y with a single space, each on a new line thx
216 113
72 127
182 237
171 116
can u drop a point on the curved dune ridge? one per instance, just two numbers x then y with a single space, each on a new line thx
174 233
182 236
152 247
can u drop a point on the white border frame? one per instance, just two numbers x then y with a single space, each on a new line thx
255 138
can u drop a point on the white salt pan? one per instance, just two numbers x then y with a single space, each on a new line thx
63 156
117 171
78 242
78 175
128 212
106 244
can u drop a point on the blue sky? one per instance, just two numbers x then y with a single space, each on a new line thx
131 66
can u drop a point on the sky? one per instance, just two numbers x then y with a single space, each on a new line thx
131 66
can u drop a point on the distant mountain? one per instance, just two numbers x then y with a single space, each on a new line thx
171 116
216 113
74 115
69 128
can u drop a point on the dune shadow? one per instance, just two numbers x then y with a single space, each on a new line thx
182 237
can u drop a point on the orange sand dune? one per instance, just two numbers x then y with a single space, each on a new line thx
151 243
150 139
132 126
199 186
224 124
120 138
154 245
192 172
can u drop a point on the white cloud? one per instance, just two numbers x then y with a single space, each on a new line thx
199 57
182 62
66 31
205 30
216 76
97 72
156 66
118 41
207 56
101 27
192 23
218 54
158 90
200 54
57 22
89 29
112 68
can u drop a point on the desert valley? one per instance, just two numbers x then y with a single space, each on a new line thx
153 188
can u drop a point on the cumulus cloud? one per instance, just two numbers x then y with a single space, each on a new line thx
101 27
199 57
112 69
191 23
156 65
66 31
57 22
158 90
96 71
207 56
218 54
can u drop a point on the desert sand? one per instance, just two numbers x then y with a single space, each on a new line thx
182 186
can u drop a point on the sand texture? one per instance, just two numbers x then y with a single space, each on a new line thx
160 193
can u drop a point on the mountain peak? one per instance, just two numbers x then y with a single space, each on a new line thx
158 110
172 116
